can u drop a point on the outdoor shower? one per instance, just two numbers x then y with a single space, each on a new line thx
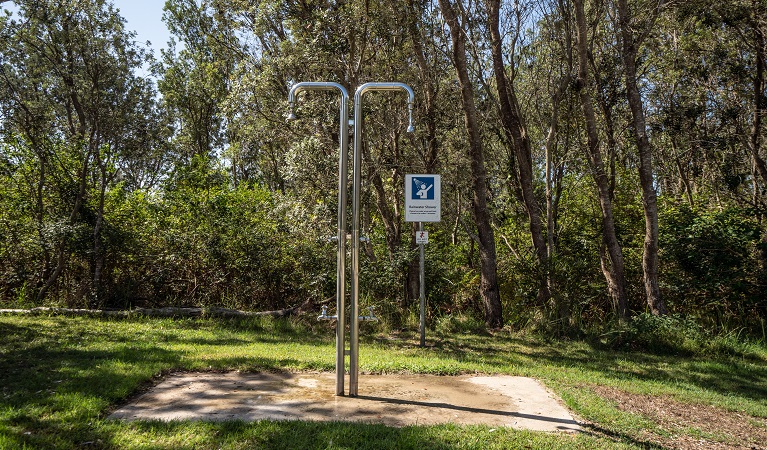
341 232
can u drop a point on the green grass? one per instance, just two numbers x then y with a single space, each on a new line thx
60 377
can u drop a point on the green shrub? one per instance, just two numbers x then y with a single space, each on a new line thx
671 334
459 324
710 265
678 335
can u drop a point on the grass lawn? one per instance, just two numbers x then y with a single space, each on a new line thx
61 376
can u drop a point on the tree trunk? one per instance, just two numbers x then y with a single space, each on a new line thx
606 103
99 254
756 126
614 271
40 215
98 251
488 288
649 198
390 221
684 179
517 136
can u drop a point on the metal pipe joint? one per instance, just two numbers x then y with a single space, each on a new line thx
369 318
324 315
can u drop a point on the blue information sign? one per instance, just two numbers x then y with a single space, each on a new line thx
422 198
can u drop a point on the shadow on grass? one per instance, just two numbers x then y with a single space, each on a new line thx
597 431
323 435
724 375
49 390
267 434
261 329
44 366
57 379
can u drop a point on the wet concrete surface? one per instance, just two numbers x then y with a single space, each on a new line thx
394 400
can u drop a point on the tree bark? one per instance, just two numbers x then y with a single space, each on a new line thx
650 261
389 219
488 288
614 271
517 136
756 125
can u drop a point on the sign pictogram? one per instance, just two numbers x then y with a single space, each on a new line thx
422 198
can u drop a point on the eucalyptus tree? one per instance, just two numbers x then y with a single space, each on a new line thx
538 51
633 29
556 38
256 107
484 237
614 269
69 95
434 108
515 128
698 95
195 76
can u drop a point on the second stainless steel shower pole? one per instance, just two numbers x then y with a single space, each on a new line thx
356 186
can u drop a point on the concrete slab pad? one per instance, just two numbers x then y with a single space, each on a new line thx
394 400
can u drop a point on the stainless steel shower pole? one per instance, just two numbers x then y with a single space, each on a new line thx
341 232
356 185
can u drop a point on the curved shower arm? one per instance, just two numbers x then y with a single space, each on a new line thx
387 86
313 86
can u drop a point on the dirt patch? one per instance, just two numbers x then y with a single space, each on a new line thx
691 426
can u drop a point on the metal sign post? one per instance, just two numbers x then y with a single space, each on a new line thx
355 235
422 281
422 204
